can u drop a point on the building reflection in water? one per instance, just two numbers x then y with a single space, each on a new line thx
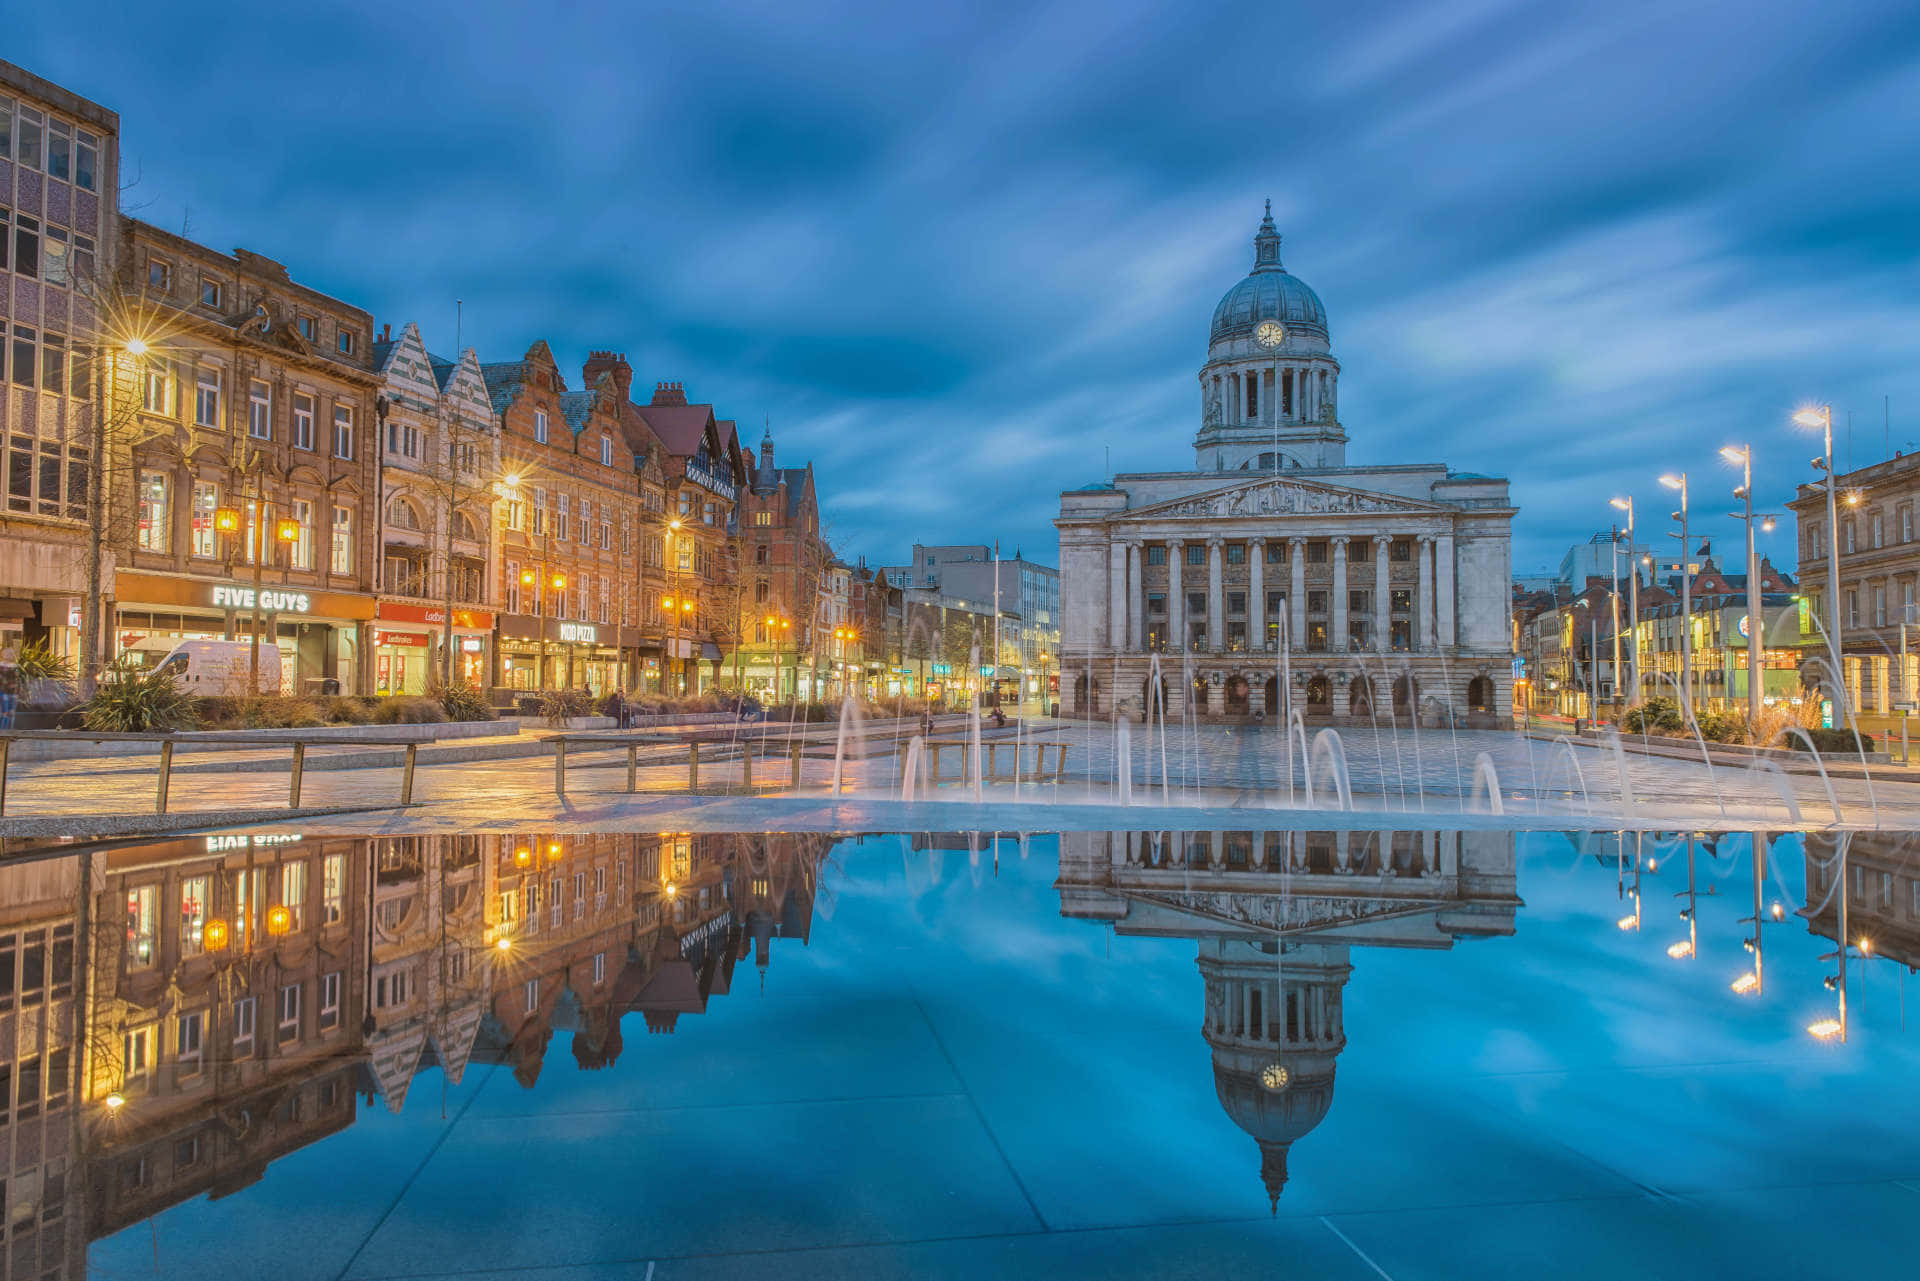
1276 916
174 1016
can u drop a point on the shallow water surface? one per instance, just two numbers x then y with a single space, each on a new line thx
1411 1054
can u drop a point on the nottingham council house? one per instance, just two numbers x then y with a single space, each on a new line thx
1386 586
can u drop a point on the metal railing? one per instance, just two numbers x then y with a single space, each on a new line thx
990 771
167 742
592 741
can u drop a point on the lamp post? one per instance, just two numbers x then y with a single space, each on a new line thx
676 606
1679 482
1756 625
1633 609
776 627
1822 418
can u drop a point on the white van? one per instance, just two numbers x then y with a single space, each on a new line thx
209 667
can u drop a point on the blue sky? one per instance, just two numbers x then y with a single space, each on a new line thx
958 252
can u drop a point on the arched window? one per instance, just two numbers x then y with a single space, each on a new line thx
401 515
1480 694
760 593
463 527
1320 693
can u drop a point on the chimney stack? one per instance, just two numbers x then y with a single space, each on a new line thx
605 362
669 394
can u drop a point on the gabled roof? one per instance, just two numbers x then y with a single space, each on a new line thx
681 428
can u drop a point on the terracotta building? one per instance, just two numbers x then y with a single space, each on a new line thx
784 564
254 491
571 520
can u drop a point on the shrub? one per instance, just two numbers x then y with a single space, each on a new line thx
806 713
136 701
348 709
408 709
461 701
1723 727
45 677
1830 741
560 705
1655 716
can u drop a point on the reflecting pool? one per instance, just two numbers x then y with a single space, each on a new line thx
1251 1053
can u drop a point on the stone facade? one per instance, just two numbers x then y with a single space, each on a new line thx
1274 577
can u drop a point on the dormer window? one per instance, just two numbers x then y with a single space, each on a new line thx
309 328
210 293
345 342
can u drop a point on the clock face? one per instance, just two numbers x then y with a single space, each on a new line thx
1276 1077
1270 333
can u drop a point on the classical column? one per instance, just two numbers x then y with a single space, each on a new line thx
1443 590
1297 593
1176 598
1117 594
1382 594
1238 395
1257 594
1216 604
1423 608
1338 641
1135 598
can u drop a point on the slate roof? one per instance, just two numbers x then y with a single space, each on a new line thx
574 407
504 381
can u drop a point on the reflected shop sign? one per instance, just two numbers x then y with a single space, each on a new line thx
272 600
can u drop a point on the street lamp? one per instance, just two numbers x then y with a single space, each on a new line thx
1679 483
1633 610
1822 418
1742 455
776 626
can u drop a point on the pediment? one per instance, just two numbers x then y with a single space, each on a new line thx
1276 497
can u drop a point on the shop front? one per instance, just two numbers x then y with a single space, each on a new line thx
554 653
321 638
407 643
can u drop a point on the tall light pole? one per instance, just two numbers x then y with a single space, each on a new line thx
1679 482
1633 609
1823 419
1756 625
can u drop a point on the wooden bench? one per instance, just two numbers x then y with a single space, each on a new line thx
166 743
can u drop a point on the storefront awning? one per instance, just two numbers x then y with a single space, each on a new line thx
11 608
709 652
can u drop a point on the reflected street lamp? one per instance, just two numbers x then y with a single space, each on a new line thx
1679 482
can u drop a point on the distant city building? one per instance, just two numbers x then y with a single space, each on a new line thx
1879 572
1272 537
59 229
1025 594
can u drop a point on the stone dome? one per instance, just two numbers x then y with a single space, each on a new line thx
1269 292
1275 1118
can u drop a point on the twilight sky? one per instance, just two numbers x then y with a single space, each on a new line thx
956 251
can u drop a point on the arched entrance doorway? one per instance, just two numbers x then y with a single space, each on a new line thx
1237 692
1480 694
1405 691
1086 699
1148 692
1360 699
1199 695
1319 696
1272 697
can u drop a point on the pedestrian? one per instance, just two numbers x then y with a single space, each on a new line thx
617 706
10 685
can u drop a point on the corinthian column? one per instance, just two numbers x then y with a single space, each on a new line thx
1257 594
1216 606
1338 642
1423 608
1117 594
1136 598
1297 593
1382 594
1176 598
1443 590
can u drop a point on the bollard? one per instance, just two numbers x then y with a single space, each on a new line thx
633 765
406 776
693 767
746 766
293 785
166 776
560 767
796 768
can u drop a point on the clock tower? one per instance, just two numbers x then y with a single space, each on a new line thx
1267 391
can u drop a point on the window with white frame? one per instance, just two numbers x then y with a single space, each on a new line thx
532 992
301 553
599 968
341 561
302 420
562 507
156 387
259 410
289 1012
187 1046
343 431
210 292
243 1023
329 1001
156 512
206 397
540 426
606 451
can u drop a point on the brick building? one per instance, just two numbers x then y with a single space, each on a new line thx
571 520
252 500
784 564
440 469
